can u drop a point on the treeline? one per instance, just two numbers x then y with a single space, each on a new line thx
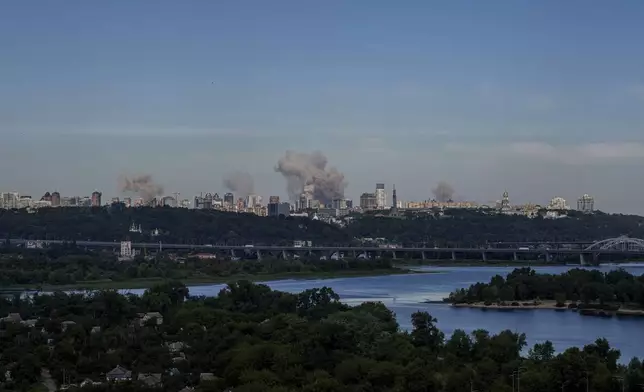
252 339
184 226
71 265
575 285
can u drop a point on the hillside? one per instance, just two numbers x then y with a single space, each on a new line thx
457 227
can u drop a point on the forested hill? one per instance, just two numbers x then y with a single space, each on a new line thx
175 225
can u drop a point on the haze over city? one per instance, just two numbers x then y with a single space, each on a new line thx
542 99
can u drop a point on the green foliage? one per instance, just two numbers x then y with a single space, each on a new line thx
69 266
252 338
177 225
595 289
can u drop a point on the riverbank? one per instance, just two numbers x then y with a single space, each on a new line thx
476 263
551 305
206 280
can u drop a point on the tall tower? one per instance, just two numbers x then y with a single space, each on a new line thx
394 199
96 199
381 197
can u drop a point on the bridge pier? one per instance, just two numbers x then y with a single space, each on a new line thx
259 255
393 252
515 257
422 254
582 261
548 257
284 256
232 253
484 254
453 256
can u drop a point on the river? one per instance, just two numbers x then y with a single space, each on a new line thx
404 294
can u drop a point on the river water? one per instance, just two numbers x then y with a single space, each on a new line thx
404 294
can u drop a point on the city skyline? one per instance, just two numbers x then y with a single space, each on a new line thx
382 201
540 99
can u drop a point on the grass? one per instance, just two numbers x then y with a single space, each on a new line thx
142 283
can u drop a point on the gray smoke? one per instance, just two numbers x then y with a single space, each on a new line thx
240 183
143 186
443 192
308 173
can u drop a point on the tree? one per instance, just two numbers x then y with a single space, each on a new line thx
425 333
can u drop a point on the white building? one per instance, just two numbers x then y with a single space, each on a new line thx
558 203
126 250
381 197
9 200
586 203
253 200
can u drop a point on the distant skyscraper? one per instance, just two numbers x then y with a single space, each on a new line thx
55 199
96 199
586 203
368 201
253 200
229 199
273 199
339 204
381 196
394 199
46 197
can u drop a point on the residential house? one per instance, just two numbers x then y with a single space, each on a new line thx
176 347
118 374
89 383
31 323
145 317
207 377
95 330
150 379
67 324
12 318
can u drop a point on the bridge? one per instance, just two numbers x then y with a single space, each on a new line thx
620 247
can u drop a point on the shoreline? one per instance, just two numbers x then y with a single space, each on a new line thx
204 281
549 305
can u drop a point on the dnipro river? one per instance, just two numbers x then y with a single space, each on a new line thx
404 294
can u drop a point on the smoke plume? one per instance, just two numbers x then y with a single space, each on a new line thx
307 173
143 186
240 183
443 192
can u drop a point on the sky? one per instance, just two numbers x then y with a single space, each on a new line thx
541 99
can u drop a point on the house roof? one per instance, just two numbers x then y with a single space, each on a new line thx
13 317
150 378
119 371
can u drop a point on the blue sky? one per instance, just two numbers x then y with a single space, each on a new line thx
540 98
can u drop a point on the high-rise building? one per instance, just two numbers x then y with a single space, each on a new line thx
277 208
368 201
128 202
55 199
273 199
46 197
229 199
9 200
394 198
96 199
253 200
349 203
381 197
339 204
586 203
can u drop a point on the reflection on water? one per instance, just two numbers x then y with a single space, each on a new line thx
404 294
